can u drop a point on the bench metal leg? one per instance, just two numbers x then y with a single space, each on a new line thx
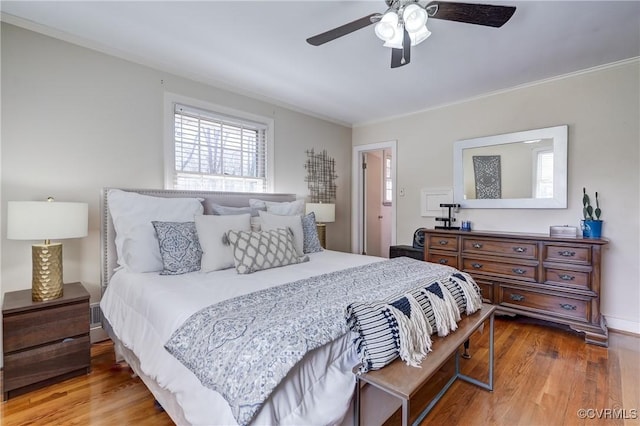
458 375
485 385
466 354
356 404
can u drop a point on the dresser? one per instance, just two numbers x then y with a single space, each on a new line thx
549 278
44 342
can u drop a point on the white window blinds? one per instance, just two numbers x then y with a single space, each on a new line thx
217 152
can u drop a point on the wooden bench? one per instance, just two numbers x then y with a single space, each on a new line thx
402 381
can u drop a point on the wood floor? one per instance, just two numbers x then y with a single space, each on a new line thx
543 376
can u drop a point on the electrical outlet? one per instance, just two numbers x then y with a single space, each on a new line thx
401 192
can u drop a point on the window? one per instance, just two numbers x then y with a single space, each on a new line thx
216 151
543 173
387 190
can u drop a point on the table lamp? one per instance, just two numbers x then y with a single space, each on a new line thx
325 213
46 220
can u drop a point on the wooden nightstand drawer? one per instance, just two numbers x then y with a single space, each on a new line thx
44 342
442 242
44 362
37 327
548 303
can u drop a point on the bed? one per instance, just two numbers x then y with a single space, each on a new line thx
145 312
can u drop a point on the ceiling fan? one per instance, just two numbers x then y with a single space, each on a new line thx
403 24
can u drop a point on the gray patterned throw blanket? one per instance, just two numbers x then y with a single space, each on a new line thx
243 347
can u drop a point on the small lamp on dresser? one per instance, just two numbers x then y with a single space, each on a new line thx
46 221
325 213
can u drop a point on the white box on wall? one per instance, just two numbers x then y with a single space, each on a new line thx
431 198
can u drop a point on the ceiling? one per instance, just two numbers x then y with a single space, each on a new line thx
258 48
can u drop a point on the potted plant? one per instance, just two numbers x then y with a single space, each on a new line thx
591 228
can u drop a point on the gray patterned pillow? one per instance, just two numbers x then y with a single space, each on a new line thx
179 247
311 243
254 251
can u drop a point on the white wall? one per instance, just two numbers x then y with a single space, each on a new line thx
602 110
76 120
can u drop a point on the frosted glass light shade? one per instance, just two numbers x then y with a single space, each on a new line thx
46 220
325 212
419 36
387 27
414 17
396 41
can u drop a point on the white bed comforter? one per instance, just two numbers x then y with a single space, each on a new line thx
145 309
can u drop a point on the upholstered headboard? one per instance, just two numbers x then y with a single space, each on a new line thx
107 232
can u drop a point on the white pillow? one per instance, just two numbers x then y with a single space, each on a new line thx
212 230
274 221
281 208
132 213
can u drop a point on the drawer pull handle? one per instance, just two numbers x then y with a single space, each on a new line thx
476 265
567 277
443 242
567 253
517 297
443 261
568 307
477 245
520 249
519 271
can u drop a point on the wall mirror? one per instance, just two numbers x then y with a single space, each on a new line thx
525 170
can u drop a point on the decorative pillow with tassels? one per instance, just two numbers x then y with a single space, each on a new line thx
388 329
401 325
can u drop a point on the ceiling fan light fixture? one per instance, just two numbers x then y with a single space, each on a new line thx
387 28
421 35
414 17
396 41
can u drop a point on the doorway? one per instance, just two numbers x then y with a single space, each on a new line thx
374 201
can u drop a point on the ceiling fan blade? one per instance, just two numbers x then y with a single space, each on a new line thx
472 13
400 57
342 30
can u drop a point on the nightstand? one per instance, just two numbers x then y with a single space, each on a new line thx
44 342
408 251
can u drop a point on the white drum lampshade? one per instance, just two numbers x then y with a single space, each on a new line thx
46 220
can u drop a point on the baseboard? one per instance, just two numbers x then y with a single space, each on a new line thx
623 325
97 334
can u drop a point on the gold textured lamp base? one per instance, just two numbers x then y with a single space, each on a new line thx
322 234
46 282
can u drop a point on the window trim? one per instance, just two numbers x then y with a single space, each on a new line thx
170 99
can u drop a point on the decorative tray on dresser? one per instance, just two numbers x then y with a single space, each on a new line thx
549 278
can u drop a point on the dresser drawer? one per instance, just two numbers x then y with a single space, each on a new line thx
567 254
442 242
443 259
520 249
501 269
486 290
567 278
547 303
40 326
44 362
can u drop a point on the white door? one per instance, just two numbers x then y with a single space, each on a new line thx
373 222
373 203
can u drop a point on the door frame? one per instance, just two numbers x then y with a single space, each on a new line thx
357 195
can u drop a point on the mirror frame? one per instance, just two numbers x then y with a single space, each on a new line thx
559 134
